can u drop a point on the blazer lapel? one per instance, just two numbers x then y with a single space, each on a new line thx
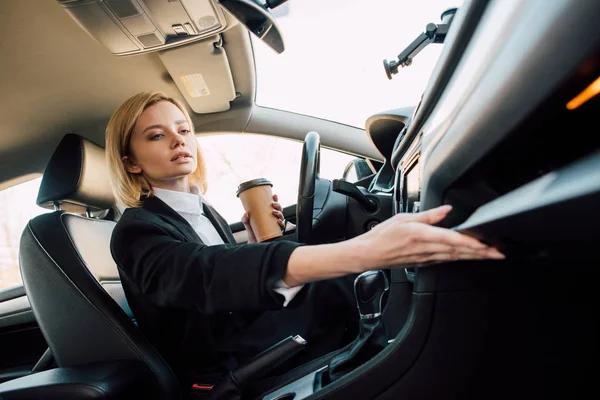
219 223
157 206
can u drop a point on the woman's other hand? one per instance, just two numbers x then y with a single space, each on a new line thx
277 213
246 222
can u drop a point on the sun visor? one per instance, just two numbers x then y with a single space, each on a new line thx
137 26
201 72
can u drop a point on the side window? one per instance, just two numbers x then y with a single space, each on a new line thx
235 158
17 207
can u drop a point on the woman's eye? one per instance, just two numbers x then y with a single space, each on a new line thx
156 136
184 131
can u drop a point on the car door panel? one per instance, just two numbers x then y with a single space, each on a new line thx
21 340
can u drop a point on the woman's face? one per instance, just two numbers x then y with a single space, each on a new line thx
163 148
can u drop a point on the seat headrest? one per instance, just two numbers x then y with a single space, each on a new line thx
76 178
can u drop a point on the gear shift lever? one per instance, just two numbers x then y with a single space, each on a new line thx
369 288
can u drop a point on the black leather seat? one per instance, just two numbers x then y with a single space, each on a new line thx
69 275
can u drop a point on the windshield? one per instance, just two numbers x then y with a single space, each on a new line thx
332 67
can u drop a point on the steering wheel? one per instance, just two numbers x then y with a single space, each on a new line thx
309 173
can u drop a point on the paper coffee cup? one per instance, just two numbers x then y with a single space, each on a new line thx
256 196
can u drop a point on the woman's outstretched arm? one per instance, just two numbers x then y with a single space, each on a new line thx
402 240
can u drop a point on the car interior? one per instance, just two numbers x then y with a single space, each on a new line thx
503 132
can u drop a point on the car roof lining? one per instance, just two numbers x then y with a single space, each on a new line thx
57 80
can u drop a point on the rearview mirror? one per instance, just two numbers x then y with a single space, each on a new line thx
255 17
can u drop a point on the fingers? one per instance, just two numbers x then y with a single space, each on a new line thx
424 252
429 217
418 241
434 234
277 213
424 259
280 218
277 206
429 248
275 198
245 219
466 254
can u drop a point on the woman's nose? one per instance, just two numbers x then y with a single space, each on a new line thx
178 140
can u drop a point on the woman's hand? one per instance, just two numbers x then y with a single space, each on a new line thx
277 213
246 222
410 239
401 241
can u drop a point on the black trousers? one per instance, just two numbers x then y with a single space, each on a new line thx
324 313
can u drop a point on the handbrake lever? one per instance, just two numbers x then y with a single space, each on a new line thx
231 386
264 362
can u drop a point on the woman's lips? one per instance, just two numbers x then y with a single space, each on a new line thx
182 157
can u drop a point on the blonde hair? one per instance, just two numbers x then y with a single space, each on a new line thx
129 188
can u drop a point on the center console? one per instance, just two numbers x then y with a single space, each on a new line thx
369 289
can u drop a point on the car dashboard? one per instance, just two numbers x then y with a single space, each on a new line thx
493 136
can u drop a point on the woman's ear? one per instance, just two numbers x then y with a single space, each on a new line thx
130 165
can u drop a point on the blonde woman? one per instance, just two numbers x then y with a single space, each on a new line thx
207 303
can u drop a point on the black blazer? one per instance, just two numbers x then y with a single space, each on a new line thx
189 298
